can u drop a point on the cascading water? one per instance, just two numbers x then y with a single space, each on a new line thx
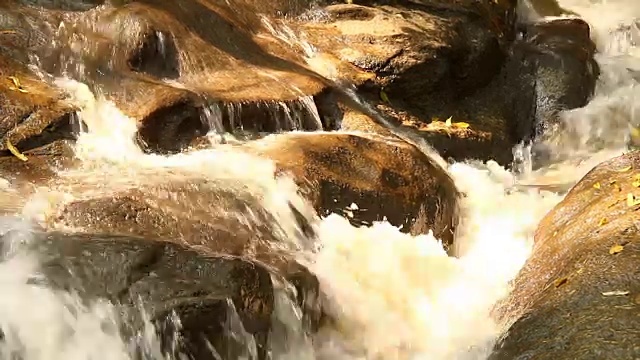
395 296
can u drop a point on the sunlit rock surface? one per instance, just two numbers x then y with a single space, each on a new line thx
367 179
578 295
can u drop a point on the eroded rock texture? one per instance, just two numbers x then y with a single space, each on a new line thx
578 295
170 65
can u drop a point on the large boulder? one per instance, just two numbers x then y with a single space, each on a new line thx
384 178
429 61
165 65
221 301
578 295
424 52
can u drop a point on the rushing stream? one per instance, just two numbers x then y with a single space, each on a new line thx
395 295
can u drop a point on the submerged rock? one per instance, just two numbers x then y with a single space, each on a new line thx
221 301
368 178
578 295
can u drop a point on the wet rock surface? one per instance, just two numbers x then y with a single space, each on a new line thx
577 296
216 297
367 179
166 64
547 67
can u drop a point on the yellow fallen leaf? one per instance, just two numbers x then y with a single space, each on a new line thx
383 96
624 169
7 32
560 282
15 151
636 183
603 221
18 86
14 80
448 122
616 187
461 125
616 249
632 200
596 185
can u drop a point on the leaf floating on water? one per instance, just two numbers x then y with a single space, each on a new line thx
632 200
624 169
615 293
15 151
383 96
603 221
596 185
560 282
616 249
447 123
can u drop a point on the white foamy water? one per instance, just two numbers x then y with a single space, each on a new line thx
394 296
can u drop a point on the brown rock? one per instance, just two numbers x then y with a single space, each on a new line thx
384 177
207 292
161 63
204 215
574 298
32 112
549 68
423 52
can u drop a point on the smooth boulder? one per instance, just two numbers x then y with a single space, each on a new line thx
368 178
578 295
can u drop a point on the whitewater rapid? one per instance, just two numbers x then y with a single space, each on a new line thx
396 296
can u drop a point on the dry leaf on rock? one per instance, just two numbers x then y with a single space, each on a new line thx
15 151
616 249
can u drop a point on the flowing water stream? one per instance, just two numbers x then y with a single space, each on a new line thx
396 296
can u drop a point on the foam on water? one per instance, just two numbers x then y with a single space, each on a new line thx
395 296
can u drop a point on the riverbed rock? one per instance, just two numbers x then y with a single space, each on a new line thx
554 68
214 215
215 297
421 51
548 68
167 62
33 113
368 178
578 295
